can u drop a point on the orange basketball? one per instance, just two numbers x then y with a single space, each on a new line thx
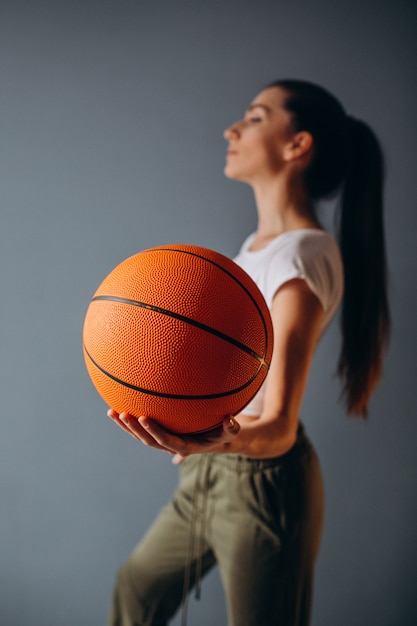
180 334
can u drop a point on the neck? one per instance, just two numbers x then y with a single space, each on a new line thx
282 207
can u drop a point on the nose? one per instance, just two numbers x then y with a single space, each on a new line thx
232 132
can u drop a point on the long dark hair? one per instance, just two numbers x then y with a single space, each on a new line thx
348 158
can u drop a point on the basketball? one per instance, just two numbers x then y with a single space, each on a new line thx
180 334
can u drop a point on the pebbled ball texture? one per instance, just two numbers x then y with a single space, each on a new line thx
179 333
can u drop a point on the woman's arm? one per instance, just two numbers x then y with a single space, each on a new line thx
297 317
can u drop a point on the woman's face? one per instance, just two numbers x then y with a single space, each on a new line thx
256 143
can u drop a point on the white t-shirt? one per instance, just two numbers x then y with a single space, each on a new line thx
310 254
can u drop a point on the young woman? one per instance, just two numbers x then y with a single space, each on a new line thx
250 497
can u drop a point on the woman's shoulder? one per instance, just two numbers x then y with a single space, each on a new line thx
315 252
316 256
310 254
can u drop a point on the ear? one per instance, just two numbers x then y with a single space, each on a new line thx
301 144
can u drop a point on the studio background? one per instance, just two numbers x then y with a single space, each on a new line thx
111 121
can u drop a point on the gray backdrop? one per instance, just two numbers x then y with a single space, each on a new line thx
112 115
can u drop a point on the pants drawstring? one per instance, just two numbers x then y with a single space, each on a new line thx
197 534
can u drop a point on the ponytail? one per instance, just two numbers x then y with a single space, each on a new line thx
365 319
347 155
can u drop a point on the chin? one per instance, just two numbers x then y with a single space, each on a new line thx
229 173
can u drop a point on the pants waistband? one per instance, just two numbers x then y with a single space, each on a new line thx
243 463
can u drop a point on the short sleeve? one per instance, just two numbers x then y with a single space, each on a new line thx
315 259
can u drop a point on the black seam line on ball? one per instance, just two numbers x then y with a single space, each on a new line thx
172 396
232 276
187 320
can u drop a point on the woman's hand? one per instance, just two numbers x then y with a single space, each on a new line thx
150 433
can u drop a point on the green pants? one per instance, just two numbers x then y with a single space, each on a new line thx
258 520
